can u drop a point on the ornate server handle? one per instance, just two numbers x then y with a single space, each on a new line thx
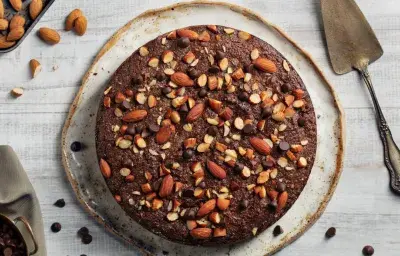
391 151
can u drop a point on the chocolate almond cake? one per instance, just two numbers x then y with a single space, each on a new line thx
206 135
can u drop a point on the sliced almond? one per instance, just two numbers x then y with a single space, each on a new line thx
202 80
167 56
254 54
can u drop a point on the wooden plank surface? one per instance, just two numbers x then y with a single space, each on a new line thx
363 209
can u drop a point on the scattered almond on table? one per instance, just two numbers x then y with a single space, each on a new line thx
76 20
35 67
49 35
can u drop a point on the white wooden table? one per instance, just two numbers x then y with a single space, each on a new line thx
363 209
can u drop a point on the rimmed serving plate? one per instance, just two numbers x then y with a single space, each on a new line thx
82 167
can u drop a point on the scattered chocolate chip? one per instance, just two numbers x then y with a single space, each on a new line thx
301 121
234 186
166 90
220 55
194 73
131 130
244 204
160 76
281 187
60 203
249 68
266 112
277 230
249 129
213 69
154 128
137 80
157 184
139 128
331 232
83 231
284 146
202 184
188 154
243 96
127 162
238 167
76 146
368 250
268 163
213 131
126 105
183 42
273 205
184 108
56 227
87 239
285 88
188 193
202 93
165 252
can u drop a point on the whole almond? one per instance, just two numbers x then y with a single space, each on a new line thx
166 186
17 21
4 44
3 24
164 134
282 200
16 4
80 25
265 65
105 168
135 116
181 79
35 8
16 34
49 35
1 10
216 170
206 208
201 233
70 21
192 35
195 113
260 145
35 67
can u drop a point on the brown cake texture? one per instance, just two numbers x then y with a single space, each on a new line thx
206 135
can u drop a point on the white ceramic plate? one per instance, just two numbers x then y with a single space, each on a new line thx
82 167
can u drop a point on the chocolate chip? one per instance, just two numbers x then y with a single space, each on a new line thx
157 184
137 80
83 231
166 90
301 121
202 184
249 129
127 162
273 205
87 239
202 93
188 154
56 227
284 146
214 69
184 108
266 112
183 42
285 88
194 73
368 250
244 204
243 96
60 203
131 130
126 105
331 232
160 76
238 167
269 163
277 230
234 186
213 131
281 187
139 128
154 128
188 193
249 68
76 146
220 55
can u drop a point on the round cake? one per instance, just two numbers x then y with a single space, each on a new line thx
206 135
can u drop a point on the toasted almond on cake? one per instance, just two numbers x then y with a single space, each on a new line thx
260 145
216 170
166 186
105 168
135 115
265 65
181 79
206 208
195 113
201 233
192 35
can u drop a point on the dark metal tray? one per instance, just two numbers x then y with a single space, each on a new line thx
9 12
